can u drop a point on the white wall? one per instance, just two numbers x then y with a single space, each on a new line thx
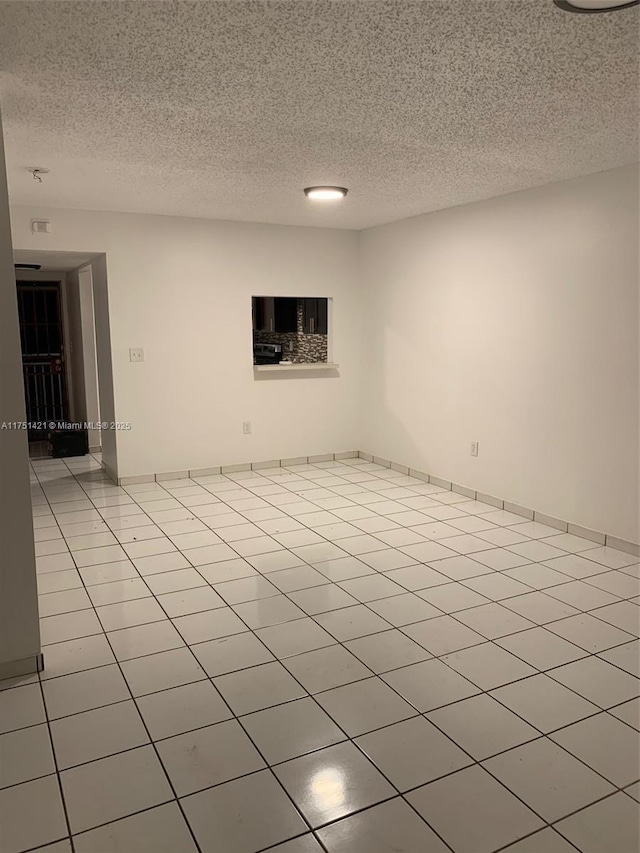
513 322
74 364
19 630
181 289
89 354
80 342
105 366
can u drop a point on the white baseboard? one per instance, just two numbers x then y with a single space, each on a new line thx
230 469
24 666
597 536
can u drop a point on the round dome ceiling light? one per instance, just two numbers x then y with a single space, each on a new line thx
325 193
587 7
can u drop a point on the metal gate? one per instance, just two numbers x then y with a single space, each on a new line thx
41 336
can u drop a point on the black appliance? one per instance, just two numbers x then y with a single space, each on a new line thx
68 442
267 353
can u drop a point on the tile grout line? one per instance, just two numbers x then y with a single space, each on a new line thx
51 742
491 571
349 740
239 484
365 604
311 616
151 742
314 530
427 650
392 627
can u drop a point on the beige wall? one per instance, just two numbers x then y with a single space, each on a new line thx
513 322
19 630
89 354
181 289
73 345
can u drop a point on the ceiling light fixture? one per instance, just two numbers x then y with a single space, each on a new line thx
586 7
325 193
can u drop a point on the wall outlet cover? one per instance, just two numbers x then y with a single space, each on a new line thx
136 354
475 446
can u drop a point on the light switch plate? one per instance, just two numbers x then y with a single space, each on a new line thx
41 226
136 354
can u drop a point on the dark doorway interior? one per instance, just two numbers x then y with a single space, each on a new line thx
42 340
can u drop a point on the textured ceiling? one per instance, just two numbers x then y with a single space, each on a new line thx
228 109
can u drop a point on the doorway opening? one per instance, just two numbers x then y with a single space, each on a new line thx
43 356
66 348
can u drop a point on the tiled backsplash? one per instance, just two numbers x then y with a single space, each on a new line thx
297 347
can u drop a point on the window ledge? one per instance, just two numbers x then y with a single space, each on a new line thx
280 368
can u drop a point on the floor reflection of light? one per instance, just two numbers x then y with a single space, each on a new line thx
328 788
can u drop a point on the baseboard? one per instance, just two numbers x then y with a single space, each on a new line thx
193 473
24 666
111 474
597 536
172 475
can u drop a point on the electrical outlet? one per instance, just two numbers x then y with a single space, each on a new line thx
475 446
246 427
136 354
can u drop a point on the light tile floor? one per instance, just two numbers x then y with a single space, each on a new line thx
331 657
